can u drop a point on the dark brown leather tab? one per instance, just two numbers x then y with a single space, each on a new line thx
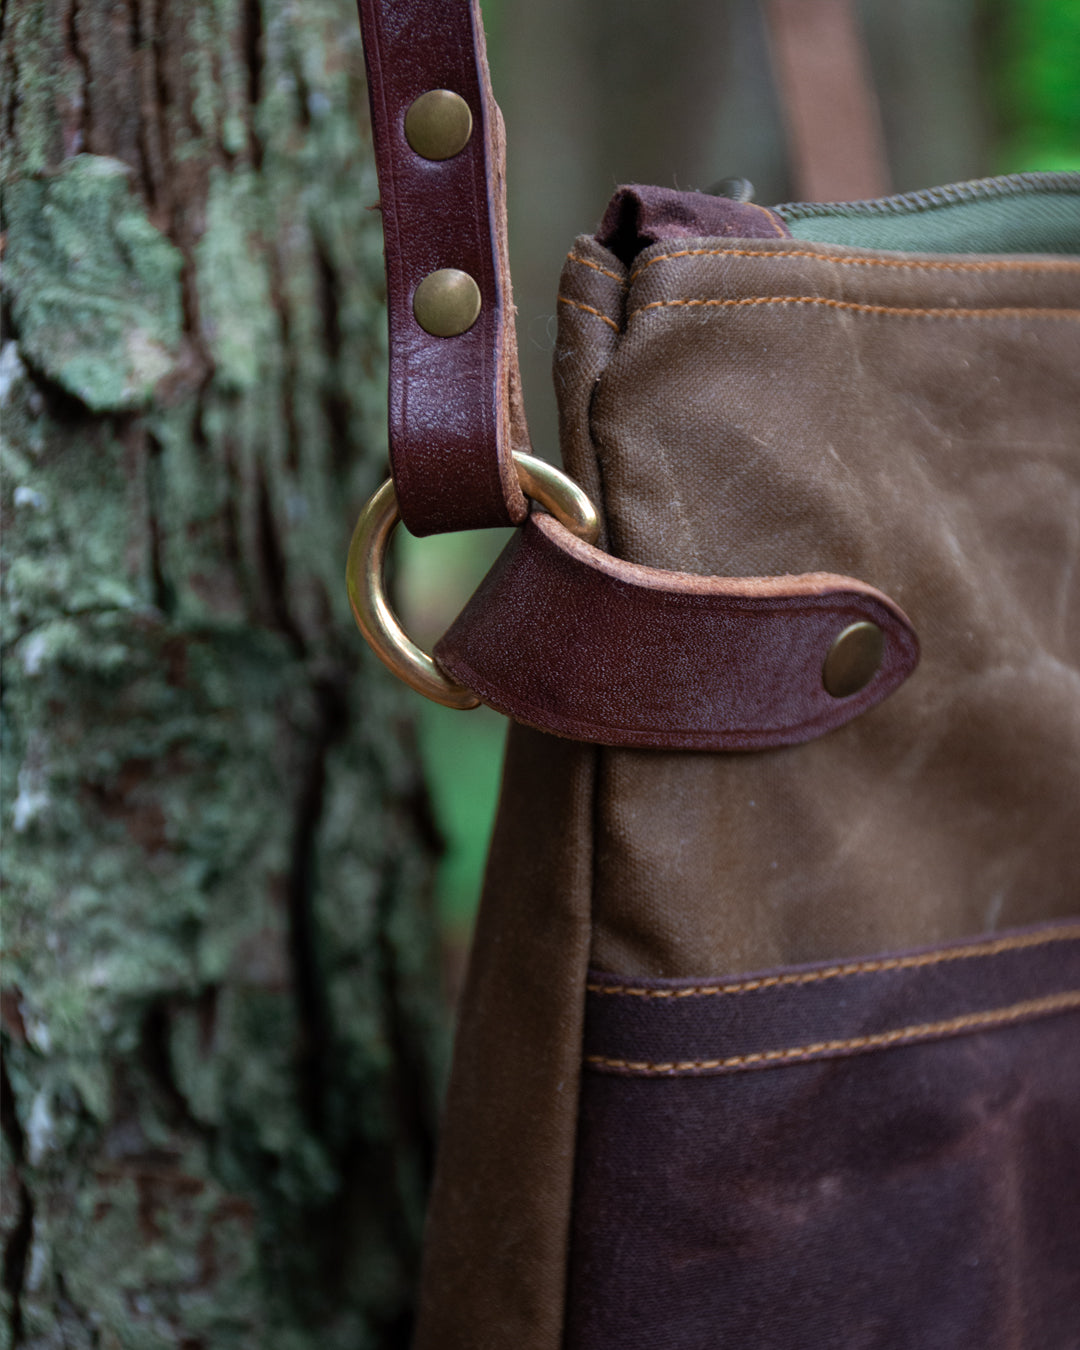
639 216
567 639
454 401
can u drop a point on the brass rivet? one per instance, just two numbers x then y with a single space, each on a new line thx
446 302
853 659
438 124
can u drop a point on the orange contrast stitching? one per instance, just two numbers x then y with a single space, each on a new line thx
1003 313
1056 265
772 219
990 948
564 300
1037 1007
604 271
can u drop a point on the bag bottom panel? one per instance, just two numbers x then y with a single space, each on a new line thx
880 1153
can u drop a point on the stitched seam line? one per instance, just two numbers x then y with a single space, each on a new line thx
588 309
903 312
1057 265
972 951
781 232
604 271
1038 1007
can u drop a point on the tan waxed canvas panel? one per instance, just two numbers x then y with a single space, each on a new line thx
720 430
908 420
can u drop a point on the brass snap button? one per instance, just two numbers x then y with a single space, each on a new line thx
446 303
438 124
853 660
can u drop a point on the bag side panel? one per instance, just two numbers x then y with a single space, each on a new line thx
776 406
494 1269
494 1272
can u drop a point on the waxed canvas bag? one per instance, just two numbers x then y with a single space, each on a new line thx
770 1032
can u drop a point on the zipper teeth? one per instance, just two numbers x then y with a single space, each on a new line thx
1007 185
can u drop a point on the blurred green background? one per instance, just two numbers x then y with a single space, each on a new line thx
601 92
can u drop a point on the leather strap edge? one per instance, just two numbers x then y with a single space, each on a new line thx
454 401
574 642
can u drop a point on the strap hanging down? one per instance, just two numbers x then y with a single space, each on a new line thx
439 148
835 139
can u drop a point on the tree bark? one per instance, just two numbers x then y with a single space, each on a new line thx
221 1013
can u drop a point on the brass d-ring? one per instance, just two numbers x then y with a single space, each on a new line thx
364 574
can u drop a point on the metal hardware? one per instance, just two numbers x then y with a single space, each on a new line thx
560 496
438 124
364 574
447 303
853 659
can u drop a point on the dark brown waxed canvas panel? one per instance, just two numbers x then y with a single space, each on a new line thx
882 1154
741 407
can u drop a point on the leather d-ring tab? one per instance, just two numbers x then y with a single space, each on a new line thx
454 399
574 642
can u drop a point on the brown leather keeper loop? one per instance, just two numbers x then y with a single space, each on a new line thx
450 397
574 642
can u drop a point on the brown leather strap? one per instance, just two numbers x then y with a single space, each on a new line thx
455 406
562 636
572 641
452 399
833 123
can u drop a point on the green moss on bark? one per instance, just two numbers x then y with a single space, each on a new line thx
222 1028
94 288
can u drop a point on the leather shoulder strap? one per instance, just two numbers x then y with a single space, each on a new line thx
455 401
454 398
559 635
835 140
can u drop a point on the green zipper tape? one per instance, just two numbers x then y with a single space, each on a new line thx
1017 213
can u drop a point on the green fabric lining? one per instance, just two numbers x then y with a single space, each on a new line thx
1029 222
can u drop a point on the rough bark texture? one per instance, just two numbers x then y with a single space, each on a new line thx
220 1010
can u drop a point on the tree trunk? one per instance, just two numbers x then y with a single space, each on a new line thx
221 1015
